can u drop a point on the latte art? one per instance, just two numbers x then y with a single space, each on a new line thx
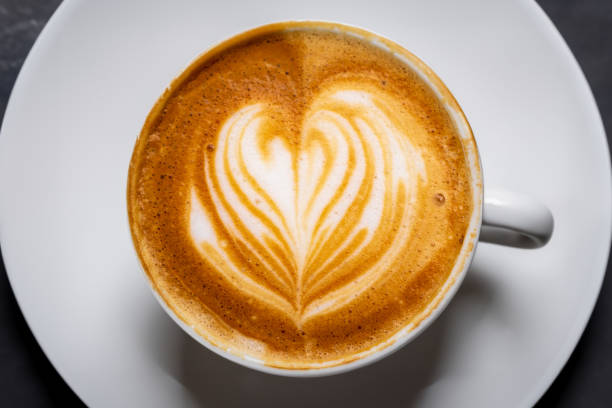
311 216
300 196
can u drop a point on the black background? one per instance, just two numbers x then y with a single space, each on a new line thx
28 379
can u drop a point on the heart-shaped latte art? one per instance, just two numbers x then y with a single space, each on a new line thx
319 220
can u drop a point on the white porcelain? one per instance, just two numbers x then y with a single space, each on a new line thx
81 97
515 219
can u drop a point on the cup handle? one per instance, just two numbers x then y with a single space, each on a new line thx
514 219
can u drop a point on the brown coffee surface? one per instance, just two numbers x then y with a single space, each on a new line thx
299 195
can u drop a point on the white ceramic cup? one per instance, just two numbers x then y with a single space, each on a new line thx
499 217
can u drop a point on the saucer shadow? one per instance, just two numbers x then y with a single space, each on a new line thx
398 380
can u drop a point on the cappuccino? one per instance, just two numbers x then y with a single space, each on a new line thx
299 195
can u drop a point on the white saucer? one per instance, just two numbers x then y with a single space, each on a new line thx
82 97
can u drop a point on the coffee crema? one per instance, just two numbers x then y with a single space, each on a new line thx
299 195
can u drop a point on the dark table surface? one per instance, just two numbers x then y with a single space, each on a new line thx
28 379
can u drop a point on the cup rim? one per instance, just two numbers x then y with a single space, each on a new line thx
466 254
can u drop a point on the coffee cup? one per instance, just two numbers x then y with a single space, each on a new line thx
495 216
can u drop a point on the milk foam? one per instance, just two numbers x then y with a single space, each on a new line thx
271 196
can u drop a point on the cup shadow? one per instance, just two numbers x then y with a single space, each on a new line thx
397 380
